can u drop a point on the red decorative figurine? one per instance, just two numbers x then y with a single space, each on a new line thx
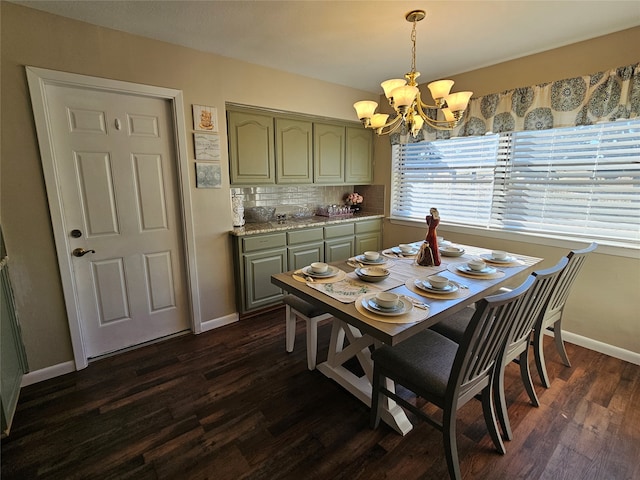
432 237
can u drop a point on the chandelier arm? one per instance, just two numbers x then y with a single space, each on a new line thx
393 126
420 104
419 109
441 124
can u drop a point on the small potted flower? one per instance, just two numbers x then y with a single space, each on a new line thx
354 200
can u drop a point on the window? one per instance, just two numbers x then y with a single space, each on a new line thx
577 181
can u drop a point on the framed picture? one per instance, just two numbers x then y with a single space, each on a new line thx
207 146
208 175
205 119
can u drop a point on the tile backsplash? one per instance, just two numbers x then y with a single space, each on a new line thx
303 200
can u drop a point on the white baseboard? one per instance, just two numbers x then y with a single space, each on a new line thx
218 322
70 366
48 373
595 345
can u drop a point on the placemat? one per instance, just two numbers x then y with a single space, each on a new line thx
460 293
392 281
415 315
347 289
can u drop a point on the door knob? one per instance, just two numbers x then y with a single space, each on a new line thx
81 252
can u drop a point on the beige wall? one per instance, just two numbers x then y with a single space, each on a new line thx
607 311
31 37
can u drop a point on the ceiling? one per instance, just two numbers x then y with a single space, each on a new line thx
359 43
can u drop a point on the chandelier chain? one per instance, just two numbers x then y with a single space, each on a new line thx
413 48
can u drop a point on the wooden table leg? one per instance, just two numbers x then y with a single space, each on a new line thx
358 346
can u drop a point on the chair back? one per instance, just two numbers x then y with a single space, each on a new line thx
567 277
482 343
531 305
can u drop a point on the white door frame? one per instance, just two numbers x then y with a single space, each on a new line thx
38 78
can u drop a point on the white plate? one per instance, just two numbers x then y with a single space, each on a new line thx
381 272
331 272
452 253
412 252
367 304
485 271
487 256
425 285
362 259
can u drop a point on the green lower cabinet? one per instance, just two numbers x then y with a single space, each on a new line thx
366 242
368 235
258 268
258 257
338 249
302 255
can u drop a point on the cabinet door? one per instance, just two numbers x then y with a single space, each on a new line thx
303 255
294 151
251 148
258 268
13 357
338 249
368 241
328 153
359 161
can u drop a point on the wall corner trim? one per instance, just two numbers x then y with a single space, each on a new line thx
48 373
219 322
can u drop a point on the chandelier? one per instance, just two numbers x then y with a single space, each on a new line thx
404 97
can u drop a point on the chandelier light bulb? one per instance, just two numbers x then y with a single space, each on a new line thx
390 85
458 101
440 88
404 96
365 108
379 120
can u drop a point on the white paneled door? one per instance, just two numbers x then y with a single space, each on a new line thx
117 181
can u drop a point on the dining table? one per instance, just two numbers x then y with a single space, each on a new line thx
357 328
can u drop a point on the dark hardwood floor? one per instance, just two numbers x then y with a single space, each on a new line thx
231 404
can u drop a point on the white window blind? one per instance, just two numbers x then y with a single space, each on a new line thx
455 176
581 182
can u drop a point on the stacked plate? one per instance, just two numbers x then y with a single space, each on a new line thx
331 272
369 303
398 251
451 251
372 274
490 258
427 287
362 259
464 268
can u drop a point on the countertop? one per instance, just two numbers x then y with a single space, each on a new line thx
296 223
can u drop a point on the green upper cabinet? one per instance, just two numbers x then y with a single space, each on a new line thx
359 148
328 153
251 148
269 148
294 151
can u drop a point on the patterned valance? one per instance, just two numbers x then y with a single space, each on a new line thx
604 96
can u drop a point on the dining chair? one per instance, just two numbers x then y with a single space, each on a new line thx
551 318
448 374
312 315
516 346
